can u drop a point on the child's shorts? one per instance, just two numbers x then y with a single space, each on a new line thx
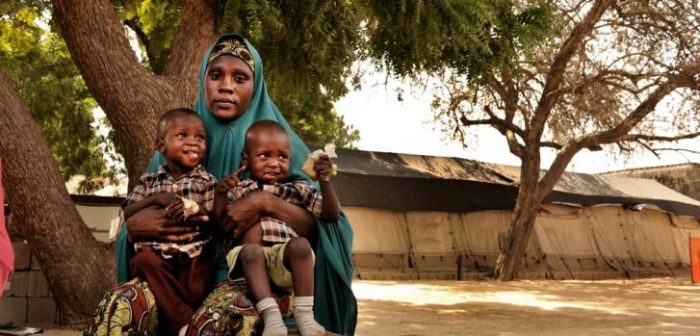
274 260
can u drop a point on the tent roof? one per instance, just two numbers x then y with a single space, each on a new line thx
584 189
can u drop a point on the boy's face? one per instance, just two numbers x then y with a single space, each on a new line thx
268 156
184 143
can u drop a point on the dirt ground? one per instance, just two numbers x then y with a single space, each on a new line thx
660 306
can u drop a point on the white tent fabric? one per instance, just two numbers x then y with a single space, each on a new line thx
568 242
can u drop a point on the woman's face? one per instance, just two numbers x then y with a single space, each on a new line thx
228 87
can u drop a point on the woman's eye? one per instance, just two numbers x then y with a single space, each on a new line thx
239 79
214 75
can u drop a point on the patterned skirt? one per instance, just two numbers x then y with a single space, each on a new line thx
131 309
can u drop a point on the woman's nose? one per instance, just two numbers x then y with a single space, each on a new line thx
227 85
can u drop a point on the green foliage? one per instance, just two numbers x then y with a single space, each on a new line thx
38 61
155 23
471 37
308 47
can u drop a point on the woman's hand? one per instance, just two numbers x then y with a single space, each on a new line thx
153 224
165 199
245 212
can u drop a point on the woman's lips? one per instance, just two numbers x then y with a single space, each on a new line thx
225 103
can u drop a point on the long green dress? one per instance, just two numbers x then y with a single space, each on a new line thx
335 304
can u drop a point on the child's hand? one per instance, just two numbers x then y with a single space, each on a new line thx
324 168
165 199
231 180
182 210
176 210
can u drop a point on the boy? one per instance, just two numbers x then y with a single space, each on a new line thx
178 277
271 250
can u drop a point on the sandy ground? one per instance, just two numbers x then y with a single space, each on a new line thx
662 306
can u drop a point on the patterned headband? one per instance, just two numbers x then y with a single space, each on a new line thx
232 47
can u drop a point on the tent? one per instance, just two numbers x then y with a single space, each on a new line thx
422 217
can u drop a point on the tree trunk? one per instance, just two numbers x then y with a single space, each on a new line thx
78 268
131 97
529 199
518 237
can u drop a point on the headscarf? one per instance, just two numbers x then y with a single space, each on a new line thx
335 305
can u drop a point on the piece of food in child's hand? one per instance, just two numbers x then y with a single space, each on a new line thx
308 166
189 207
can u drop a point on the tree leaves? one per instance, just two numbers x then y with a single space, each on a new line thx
473 37
38 61
308 48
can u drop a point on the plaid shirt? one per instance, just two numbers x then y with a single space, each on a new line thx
300 193
197 185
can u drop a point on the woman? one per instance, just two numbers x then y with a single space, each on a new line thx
231 98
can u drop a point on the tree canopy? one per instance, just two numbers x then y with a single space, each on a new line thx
305 85
37 60
308 48
612 72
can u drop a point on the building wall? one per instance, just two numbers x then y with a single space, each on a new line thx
28 301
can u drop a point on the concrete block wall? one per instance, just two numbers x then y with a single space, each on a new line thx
28 300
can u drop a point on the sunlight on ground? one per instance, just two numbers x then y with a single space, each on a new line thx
422 294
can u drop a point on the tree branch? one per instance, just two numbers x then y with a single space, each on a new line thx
647 137
48 217
141 35
195 33
677 150
612 135
558 68
100 49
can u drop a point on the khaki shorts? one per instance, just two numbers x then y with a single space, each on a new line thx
274 261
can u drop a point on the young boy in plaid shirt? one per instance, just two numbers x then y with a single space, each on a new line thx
176 272
270 249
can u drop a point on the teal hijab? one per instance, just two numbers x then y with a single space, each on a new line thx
335 304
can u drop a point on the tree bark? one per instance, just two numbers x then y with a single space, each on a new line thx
196 20
531 192
131 97
78 268
527 204
76 265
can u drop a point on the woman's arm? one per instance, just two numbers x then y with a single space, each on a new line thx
160 199
247 211
152 223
